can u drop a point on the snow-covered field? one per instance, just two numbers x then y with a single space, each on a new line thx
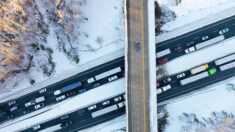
189 11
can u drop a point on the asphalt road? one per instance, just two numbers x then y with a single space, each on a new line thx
138 76
83 118
50 98
211 30
179 90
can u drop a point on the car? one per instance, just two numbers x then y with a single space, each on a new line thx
38 106
120 105
167 80
117 98
71 93
57 92
42 90
30 103
64 117
205 38
180 75
113 78
191 49
60 98
92 107
158 84
138 47
167 87
13 108
162 60
177 49
223 31
105 102
12 103
36 127
65 123
212 71
91 80
159 91
189 43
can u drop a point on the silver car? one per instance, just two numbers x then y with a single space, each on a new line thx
205 38
14 108
180 75
38 106
223 31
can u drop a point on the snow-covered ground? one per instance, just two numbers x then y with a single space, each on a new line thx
216 99
189 11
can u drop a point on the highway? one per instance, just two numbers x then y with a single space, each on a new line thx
179 90
137 58
84 118
50 98
196 36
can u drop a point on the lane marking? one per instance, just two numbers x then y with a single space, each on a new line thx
143 77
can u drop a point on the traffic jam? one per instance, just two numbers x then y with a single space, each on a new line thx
197 73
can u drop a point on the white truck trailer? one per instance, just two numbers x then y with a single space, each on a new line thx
194 78
163 53
52 128
225 59
104 111
199 69
209 42
227 66
104 74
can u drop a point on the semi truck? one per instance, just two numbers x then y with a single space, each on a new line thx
163 53
209 42
104 111
227 66
194 78
104 74
225 59
52 128
199 69
68 88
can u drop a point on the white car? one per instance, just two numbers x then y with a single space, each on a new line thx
205 38
42 90
180 75
36 127
191 49
38 106
12 102
29 103
120 105
113 78
105 102
159 91
223 31
13 108
92 107
60 97
57 92
91 80
167 87
117 98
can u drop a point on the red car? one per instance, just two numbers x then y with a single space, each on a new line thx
163 60
158 85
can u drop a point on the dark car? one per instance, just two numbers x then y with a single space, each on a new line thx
66 123
71 93
177 49
167 80
138 47
162 60
189 43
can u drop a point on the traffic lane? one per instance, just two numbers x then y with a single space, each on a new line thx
198 32
219 76
82 118
50 89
